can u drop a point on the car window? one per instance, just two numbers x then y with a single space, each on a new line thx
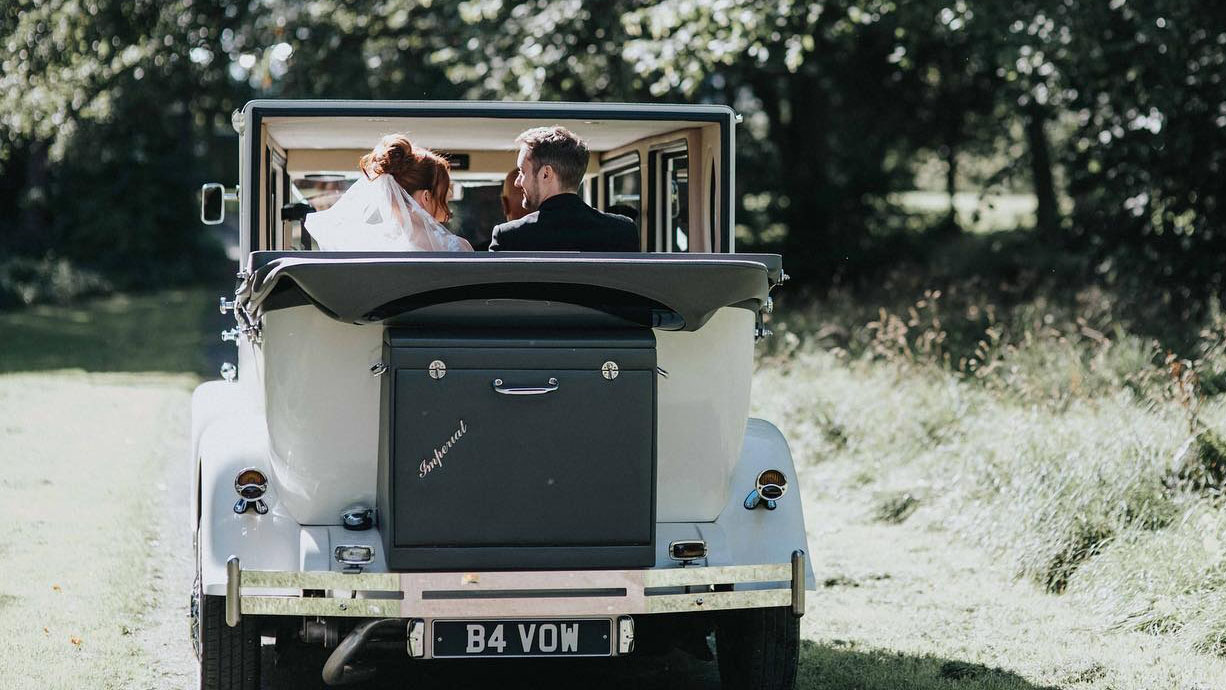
676 200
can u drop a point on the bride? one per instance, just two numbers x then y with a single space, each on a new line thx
398 204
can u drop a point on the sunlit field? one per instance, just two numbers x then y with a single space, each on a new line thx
976 212
1089 458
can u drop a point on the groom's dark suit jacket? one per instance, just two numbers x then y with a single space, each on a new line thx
564 223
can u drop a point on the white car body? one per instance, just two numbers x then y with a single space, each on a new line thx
303 408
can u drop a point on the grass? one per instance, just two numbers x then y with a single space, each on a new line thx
94 403
160 332
1039 422
843 665
82 459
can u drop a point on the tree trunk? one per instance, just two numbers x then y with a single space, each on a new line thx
951 185
1048 213
34 230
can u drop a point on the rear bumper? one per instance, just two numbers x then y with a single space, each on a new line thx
574 593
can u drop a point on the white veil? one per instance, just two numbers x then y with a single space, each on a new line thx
379 215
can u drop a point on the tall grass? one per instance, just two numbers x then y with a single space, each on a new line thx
1047 429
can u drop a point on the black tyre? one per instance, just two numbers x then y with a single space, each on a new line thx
229 657
758 649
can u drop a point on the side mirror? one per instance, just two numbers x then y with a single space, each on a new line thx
213 198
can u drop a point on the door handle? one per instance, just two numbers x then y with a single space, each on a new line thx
550 386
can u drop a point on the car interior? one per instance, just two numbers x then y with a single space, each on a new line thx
669 176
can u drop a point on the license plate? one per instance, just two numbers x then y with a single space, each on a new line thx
518 638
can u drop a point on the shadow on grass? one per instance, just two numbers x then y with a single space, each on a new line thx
167 331
822 667
831 667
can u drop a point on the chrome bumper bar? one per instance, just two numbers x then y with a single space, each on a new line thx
514 594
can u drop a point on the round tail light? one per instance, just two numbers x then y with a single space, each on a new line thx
772 484
251 484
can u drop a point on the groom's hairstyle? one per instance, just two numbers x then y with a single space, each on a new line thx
560 148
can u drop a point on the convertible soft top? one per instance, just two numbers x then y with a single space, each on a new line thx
671 291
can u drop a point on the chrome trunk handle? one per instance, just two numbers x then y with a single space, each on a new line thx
551 386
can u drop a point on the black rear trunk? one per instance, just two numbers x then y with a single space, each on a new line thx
513 449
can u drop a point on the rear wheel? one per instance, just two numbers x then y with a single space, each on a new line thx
757 648
229 657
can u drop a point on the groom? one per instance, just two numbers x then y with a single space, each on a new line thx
551 164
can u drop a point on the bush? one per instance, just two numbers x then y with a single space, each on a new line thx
25 281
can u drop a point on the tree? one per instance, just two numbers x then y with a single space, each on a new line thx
1149 147
822 95
100 103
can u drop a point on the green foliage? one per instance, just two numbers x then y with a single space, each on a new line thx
1109 113
1150 143
107 111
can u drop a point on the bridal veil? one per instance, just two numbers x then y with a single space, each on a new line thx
379 215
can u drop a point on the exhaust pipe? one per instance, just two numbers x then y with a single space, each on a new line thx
340 669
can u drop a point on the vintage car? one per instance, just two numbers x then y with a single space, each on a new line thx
475 455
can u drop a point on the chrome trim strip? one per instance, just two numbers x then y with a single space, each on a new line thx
515 594
391 608
717 601
523 593
363 582
719 575
557 607
320 606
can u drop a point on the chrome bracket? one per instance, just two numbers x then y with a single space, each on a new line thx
416 638
755 499
247 325
242 504
625 635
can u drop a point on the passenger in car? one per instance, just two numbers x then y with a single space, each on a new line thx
399 204
512 198
551 164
